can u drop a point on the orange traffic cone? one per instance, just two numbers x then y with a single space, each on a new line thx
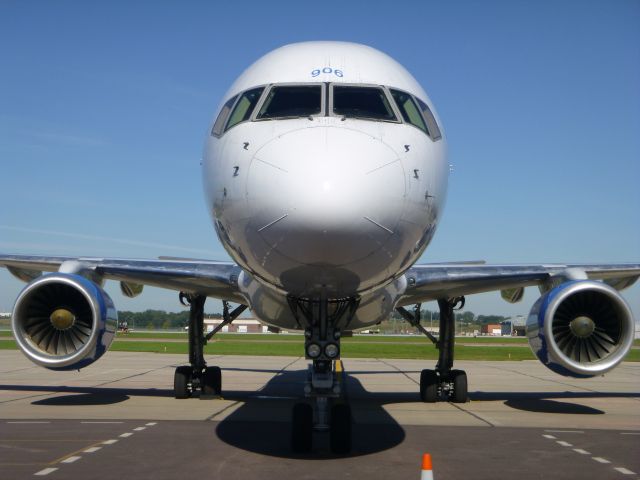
427 473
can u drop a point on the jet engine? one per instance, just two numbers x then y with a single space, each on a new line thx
63 321
581 328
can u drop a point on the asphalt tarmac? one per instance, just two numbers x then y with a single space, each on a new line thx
118 419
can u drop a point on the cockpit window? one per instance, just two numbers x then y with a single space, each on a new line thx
222 117
409 110
362 102
243 109
292 101
432 125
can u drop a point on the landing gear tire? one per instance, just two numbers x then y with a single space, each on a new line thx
211 382
181 381
429 386
459 381
302 428
340 433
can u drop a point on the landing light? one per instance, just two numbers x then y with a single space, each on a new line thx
313 350
331 350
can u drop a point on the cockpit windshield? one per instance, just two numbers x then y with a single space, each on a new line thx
244 107
359 101
292 101
409 110
362 102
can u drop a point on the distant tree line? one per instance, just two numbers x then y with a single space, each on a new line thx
161 320
466 322
427 316
158 319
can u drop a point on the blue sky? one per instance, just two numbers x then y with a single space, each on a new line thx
104 107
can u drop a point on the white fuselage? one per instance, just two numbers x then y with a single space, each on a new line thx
325 204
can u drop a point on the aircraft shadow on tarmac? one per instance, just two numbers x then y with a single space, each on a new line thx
262 425
541 405
547 402
88 398
261 421
87 395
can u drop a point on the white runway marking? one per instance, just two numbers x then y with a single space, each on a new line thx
624 471
601 460
274 397
46 471
151 424
25 421
565 431
75 458
100 422
581 451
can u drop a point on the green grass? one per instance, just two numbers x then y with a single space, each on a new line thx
252 337
297 337
350 349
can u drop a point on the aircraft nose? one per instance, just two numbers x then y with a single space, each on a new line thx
326 195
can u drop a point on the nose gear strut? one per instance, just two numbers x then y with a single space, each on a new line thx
323 320
443 382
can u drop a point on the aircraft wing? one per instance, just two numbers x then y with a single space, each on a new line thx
214 279
432 281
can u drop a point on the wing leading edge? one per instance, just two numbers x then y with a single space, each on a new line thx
425 282
214 279
431 282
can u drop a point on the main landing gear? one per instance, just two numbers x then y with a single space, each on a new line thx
198 376
323 320
443 382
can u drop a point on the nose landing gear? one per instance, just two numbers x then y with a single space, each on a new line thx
324 387
443 382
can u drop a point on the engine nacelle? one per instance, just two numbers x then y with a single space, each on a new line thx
63 321
581 328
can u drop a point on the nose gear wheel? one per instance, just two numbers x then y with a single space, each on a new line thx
326 411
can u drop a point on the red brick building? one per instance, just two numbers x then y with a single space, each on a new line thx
491 329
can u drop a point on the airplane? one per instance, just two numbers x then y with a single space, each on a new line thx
325 174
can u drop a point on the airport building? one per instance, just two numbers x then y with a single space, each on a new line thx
240 325
515 326
491 329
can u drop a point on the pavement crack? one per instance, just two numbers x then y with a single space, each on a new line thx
474 415
398 370
131 376
65 389
211 417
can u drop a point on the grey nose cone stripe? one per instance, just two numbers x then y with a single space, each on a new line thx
379 225
273 222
